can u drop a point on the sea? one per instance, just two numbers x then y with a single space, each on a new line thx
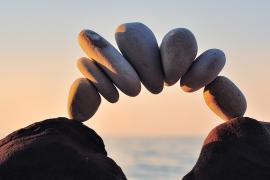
154 158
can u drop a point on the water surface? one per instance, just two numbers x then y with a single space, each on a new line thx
149 158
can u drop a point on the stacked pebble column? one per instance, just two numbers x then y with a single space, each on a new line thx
142 60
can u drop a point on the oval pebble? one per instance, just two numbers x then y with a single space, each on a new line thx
203 70
178 50
225 99
139 46
83 100
111 61
93 73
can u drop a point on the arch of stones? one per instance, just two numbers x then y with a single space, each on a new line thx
142 61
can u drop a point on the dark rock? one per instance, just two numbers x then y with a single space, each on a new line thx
56 149
235 150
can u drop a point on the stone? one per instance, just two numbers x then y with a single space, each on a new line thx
178 50
83 100
139 46
56 149
225 99
235 150
203 70
111 61
94 73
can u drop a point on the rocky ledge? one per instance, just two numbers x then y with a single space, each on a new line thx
62 149
56 149
235 150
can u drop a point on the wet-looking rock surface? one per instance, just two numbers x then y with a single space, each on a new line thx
235 150
56 149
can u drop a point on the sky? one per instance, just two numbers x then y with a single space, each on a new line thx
39 49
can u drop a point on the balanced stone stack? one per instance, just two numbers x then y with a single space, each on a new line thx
142 60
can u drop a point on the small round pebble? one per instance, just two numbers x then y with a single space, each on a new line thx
203 70
178 50
139 46
111 61
225 99
83 100
93 73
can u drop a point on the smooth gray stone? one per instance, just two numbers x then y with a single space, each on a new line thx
83 100
139 46
203 70
111 61
178 50
94 74
225 99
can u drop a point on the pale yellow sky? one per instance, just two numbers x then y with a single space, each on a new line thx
38 53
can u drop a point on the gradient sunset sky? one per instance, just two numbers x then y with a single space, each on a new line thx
38 53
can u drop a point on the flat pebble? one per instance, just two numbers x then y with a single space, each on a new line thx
225 99
83 100
139 46
178 50
104 85
111 61
203 70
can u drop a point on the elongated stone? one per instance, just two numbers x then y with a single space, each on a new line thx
139 46
225 99
178 50
102 83
83 100
203 70
111 61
